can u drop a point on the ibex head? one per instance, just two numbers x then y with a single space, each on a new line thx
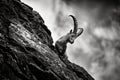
73 34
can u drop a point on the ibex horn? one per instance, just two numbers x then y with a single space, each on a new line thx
80 31
75 23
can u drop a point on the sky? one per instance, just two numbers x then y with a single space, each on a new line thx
98 48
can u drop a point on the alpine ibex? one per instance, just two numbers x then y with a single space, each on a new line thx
61 43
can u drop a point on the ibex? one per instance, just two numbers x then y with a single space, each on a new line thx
61 43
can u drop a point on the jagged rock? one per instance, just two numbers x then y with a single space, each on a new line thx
26 50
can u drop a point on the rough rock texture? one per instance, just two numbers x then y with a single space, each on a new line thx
26 50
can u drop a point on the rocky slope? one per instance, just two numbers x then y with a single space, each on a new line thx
26 50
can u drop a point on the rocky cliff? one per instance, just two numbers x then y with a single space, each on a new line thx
26 49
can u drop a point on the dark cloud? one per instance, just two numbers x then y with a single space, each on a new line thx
107 2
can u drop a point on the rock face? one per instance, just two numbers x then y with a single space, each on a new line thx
26 50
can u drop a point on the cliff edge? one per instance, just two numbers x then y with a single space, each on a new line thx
26 47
